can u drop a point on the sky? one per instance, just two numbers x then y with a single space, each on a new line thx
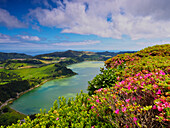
36 26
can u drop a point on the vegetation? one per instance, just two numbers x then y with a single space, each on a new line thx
9 116
133 91
18 64
78 56
6 56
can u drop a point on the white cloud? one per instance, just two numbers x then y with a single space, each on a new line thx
75 19
10 21
89 42
151 43
29 38
157 9
109 18
5 39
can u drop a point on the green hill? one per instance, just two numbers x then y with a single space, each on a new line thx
80 55
132 91
5 56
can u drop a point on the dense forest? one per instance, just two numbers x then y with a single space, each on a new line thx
132 91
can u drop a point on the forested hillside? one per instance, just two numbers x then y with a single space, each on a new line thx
132 91
5 56
80 55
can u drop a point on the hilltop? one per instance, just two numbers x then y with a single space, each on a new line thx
5 56
83 55
132 91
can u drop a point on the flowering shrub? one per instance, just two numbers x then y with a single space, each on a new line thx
139 95
124 59
140 101
157 50
107 78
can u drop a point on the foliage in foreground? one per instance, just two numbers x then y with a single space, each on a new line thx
9 116
133 91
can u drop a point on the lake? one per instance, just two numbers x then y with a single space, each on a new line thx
44 96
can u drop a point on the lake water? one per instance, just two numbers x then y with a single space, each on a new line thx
44 96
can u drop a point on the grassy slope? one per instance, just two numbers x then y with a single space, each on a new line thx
41 72
36 72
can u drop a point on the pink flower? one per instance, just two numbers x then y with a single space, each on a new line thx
135 119
93 127
142 83
99 90
129 87
127 100
138 74
117 111
134 98
118 78
117 85
159 92
57 118
166 104
124 109
97 100
123 82
127 126
162 100
160 108
161 72
155 86
92 107
154 107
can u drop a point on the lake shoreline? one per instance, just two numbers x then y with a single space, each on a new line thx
10 101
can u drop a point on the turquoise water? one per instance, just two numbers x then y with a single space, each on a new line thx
44 96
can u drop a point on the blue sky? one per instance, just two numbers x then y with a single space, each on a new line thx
32 26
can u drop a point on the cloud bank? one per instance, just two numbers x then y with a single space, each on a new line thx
10 21
29 38
89 42
108 18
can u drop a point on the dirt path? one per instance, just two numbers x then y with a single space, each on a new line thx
6 102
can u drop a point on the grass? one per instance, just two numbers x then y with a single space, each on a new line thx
28 73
